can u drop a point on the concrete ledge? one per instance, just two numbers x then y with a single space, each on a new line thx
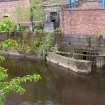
80 66
18 55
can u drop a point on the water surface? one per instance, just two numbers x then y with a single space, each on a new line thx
58 86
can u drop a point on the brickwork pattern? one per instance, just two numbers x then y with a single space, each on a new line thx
9 8
85 22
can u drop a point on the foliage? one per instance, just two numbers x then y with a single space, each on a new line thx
37 10
6 25
33 12
24 47
22 13
37 14
38 29
37 42
9 44
18 28
14 84
41 45
46 45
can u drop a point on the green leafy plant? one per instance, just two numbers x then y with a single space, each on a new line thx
47 44
6 25
9 44
37 42
38 30
33 12
14 84
41 45
19 28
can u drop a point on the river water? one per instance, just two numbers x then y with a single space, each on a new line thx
57 87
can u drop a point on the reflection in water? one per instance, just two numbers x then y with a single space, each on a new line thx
57 87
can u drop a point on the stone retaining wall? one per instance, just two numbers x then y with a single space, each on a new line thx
75 65
17 55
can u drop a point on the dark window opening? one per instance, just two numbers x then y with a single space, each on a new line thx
5 17
84 57
54 18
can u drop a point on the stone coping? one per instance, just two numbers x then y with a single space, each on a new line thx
16 54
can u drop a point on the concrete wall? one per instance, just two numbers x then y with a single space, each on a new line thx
83 21
75 65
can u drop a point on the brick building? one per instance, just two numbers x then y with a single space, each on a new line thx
8 8
52 8
87 19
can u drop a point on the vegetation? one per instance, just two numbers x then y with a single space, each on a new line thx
34 13
18 28
9 44
40 45
14 84
38 29
46 45
37 11
6 25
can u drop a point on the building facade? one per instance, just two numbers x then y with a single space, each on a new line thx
86 19
8 8
52 9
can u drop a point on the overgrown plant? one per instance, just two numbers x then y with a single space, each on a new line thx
37 42
19 28
38 29
36 11
14 84
6 25
33 12
9 44
41 45
46 45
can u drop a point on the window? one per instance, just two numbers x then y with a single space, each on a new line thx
5 16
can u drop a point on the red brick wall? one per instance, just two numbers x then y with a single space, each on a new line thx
88 22
9 8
